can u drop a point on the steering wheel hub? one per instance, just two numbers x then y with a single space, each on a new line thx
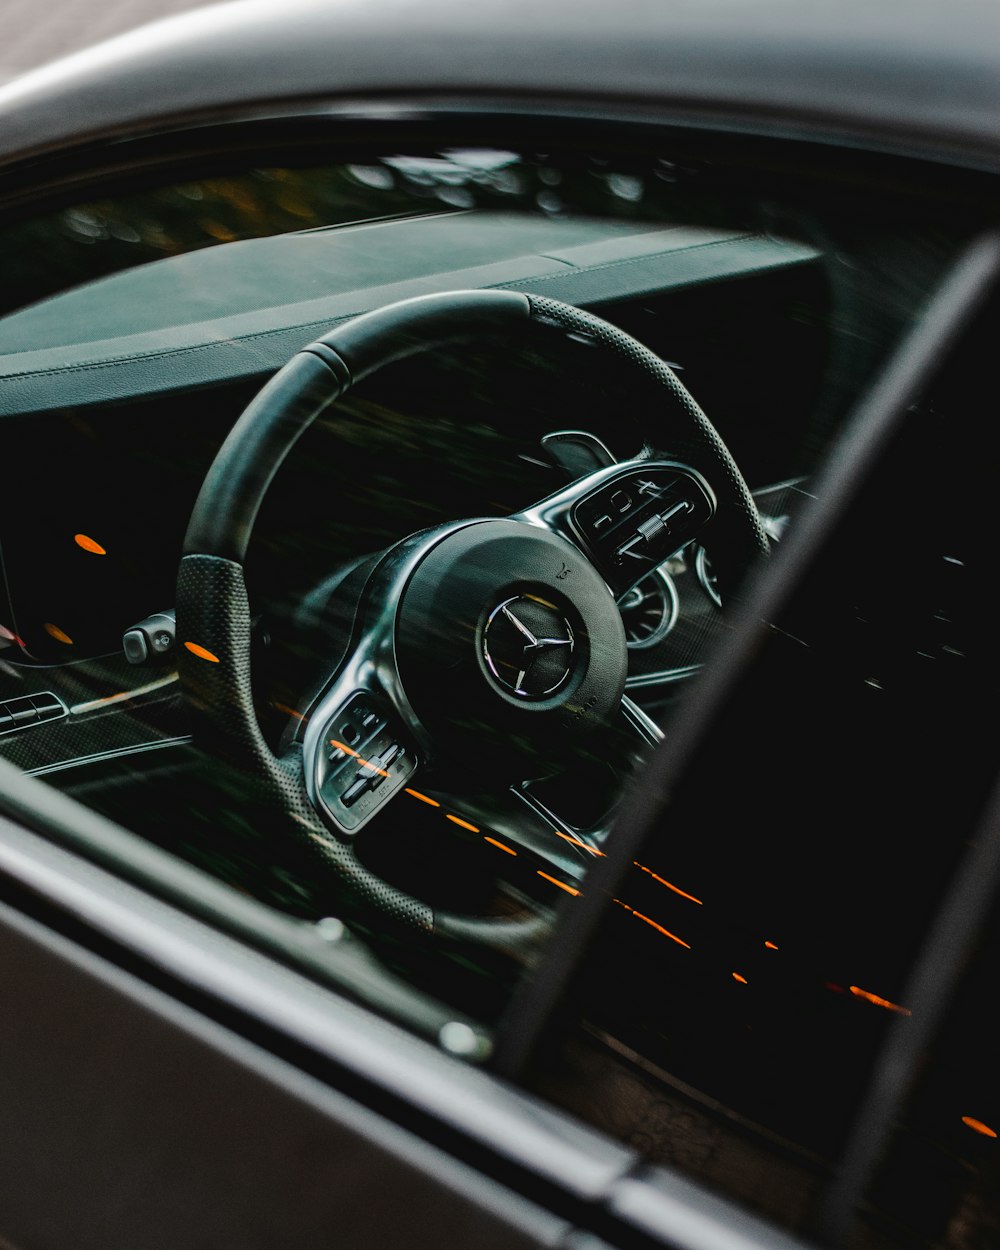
507 629
528 646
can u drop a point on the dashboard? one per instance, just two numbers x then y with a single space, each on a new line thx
116 396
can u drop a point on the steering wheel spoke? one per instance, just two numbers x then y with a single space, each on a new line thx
357 755
646 731
628 518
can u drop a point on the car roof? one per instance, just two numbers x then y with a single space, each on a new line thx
909 76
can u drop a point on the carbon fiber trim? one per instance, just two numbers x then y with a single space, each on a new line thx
108 713
79 739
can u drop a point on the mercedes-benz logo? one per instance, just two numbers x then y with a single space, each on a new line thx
528 647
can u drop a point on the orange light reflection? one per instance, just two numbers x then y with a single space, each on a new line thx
370 766
342 746
742 980
869 997
576 842
202 653
422 797
978 1126
770 946
561 884
652 923
58 634
89 544
676 889
463 823
288 711
218 231
494 842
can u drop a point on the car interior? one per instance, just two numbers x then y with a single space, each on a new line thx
374 527
137 375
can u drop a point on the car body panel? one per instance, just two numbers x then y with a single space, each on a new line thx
913 78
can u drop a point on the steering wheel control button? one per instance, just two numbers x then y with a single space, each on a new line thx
621 502
652 534
354 792
135 646
388 757
638 520
528 647
152 640
372 773
364 762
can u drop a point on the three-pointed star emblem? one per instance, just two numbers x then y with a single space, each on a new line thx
528 646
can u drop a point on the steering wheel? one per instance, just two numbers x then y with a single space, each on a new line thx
477 634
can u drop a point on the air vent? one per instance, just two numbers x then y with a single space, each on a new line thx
773 526
31 709
706 576
649 610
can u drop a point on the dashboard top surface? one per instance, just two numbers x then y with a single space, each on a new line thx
239 310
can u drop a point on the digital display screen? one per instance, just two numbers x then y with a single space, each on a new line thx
95 511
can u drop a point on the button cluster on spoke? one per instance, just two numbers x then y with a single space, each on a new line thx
365 760
637 521
371 774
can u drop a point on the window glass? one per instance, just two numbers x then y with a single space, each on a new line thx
446 794
761 949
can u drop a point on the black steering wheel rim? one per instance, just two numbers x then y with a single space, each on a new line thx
213 613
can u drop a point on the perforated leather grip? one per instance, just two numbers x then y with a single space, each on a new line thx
213 634
735 536
228 502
